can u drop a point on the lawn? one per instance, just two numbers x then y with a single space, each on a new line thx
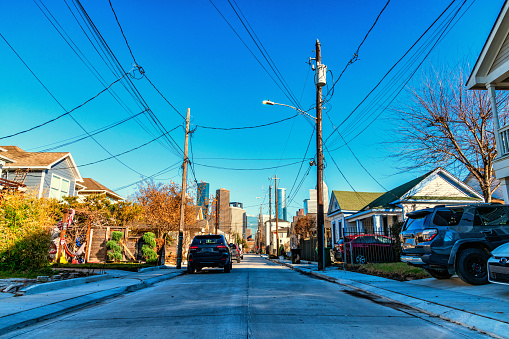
394 270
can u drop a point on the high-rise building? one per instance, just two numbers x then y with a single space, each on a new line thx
223 206
238 219
281 203
310 205
202 196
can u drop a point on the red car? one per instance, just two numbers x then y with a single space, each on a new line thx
366 248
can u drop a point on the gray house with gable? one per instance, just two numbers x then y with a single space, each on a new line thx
48 174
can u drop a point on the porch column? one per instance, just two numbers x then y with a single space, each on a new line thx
377 222
496 123
504 186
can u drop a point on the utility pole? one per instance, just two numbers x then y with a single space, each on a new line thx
321 71
260 227
270 220
183 196
277 216
217 213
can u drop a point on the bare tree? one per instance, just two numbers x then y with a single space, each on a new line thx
444 124
305 226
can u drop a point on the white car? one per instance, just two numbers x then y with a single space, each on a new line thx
498 265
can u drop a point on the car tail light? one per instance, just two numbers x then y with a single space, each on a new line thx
193 247
429 234
221 247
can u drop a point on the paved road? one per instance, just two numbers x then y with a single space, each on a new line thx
258 299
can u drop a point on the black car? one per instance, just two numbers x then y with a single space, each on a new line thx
209 251
448 239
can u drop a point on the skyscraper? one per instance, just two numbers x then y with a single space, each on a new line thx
281 203
202 196
223 206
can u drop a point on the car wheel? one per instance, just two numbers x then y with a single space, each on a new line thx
238 260
438 274
228 268
471 266
190 269
360 259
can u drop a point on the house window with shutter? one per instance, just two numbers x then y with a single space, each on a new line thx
59 187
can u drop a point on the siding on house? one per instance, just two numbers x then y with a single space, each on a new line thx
502 56
32 180
440 187
62 169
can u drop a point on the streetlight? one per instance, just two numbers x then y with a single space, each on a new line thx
321 72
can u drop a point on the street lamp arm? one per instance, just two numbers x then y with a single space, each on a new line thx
268 102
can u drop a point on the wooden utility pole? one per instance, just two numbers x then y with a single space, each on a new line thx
183 196
87 248
270 219
217 212
319 163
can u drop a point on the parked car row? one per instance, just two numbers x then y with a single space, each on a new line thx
459 239
212 251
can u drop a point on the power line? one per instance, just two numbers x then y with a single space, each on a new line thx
145 178
247 127
121 30
387 73
58 102
249 169
61 115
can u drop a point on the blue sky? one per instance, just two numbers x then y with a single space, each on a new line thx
195 59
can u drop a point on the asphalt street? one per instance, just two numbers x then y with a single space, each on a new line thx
258 299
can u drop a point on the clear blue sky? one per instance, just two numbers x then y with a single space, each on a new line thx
195 59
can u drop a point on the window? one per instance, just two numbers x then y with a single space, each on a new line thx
491 216
365 240
59 187
448 217
414 223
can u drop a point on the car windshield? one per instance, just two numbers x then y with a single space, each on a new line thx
207 240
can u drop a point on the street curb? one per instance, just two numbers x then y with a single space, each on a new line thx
22 319
154 268
51 286
472 321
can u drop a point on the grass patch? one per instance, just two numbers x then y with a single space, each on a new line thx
27 274
132 267
394 270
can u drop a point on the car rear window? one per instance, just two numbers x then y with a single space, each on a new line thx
207 240
491 216
414 223
448 217
365 240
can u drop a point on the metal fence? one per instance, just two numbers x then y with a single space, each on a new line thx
309 249
359 248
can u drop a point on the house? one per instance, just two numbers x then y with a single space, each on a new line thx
491 73
370 212
496 191
271 233
91 187
48 174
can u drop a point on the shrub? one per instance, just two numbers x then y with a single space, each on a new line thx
24 231
148 248
115 252
396 230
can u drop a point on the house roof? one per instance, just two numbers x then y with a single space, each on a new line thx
354 201
93 186
37 160
31 159
492 66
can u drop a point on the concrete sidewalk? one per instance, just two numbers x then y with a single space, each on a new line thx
17 312
483 308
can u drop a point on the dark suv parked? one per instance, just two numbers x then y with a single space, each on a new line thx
448 239
209 251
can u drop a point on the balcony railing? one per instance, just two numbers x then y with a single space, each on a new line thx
504 140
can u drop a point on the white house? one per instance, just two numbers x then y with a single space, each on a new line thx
491 72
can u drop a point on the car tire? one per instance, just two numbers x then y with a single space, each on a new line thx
228 268
438 274
360 259
190 269
471 266
238 260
